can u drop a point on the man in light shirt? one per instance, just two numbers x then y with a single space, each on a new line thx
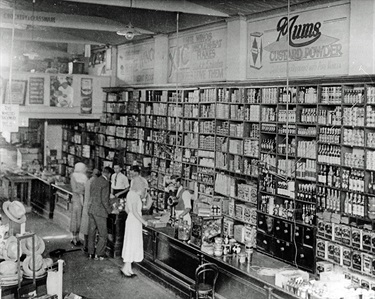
119 183
183 206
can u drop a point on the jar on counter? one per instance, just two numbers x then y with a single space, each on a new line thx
242 257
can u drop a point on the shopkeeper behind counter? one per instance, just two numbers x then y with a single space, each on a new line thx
183 196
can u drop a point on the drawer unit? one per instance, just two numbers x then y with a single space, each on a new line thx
305 257
264 242
283 230
308 236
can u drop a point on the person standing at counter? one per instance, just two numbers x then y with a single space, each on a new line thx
119 182
78 180
132 250
99 208
85 215
183 206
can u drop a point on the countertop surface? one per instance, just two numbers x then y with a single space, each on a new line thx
262 267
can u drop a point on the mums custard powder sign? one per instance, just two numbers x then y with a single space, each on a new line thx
198 57
316 42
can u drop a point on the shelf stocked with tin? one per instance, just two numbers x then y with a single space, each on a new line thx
78 145
314 143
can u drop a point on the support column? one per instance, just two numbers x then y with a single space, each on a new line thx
236 48
161 59
362 41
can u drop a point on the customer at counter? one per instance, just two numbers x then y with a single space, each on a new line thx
183 207
98 210
119 182
133 239
78 181
85 216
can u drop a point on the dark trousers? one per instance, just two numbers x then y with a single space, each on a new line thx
100 224
115 191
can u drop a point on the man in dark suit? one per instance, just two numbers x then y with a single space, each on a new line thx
98 211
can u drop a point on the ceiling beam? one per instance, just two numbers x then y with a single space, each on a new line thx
44 36
48 19
163 5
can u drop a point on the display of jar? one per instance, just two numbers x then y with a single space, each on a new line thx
183 231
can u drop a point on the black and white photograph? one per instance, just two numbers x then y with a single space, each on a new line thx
187 149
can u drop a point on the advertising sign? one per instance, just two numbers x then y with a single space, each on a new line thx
314 42
9 115
36 90
198 57
135 63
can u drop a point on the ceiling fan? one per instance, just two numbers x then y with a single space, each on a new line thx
130 31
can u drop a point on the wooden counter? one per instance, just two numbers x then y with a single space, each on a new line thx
20 184
173 263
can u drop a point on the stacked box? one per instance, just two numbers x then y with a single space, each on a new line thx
250 215
251 235
231 206
346 235
322 249
239 233
346 257
228 227
239 211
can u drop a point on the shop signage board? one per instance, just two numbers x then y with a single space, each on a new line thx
318 44
198 56
9 115
135 63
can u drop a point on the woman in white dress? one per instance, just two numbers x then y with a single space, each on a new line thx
132 250
78 180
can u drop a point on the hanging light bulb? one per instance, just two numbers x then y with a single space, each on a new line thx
129 32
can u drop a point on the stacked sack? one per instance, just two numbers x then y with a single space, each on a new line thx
41 264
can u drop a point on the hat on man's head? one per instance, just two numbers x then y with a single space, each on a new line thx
15 210
27 245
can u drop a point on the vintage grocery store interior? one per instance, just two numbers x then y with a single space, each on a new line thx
264 109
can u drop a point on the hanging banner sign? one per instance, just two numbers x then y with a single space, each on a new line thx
9 115
198 57
135 63
317 44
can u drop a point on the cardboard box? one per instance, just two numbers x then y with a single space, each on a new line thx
322 249
283 277
323 266
346 257
239 233
346 235
228 227
356 238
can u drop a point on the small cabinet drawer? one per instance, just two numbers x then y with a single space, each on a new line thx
308 236
305 257
298 234
264 242
283 230
262 225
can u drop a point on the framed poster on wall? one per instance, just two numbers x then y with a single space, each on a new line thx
61 91
36 90
86 95
17 94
